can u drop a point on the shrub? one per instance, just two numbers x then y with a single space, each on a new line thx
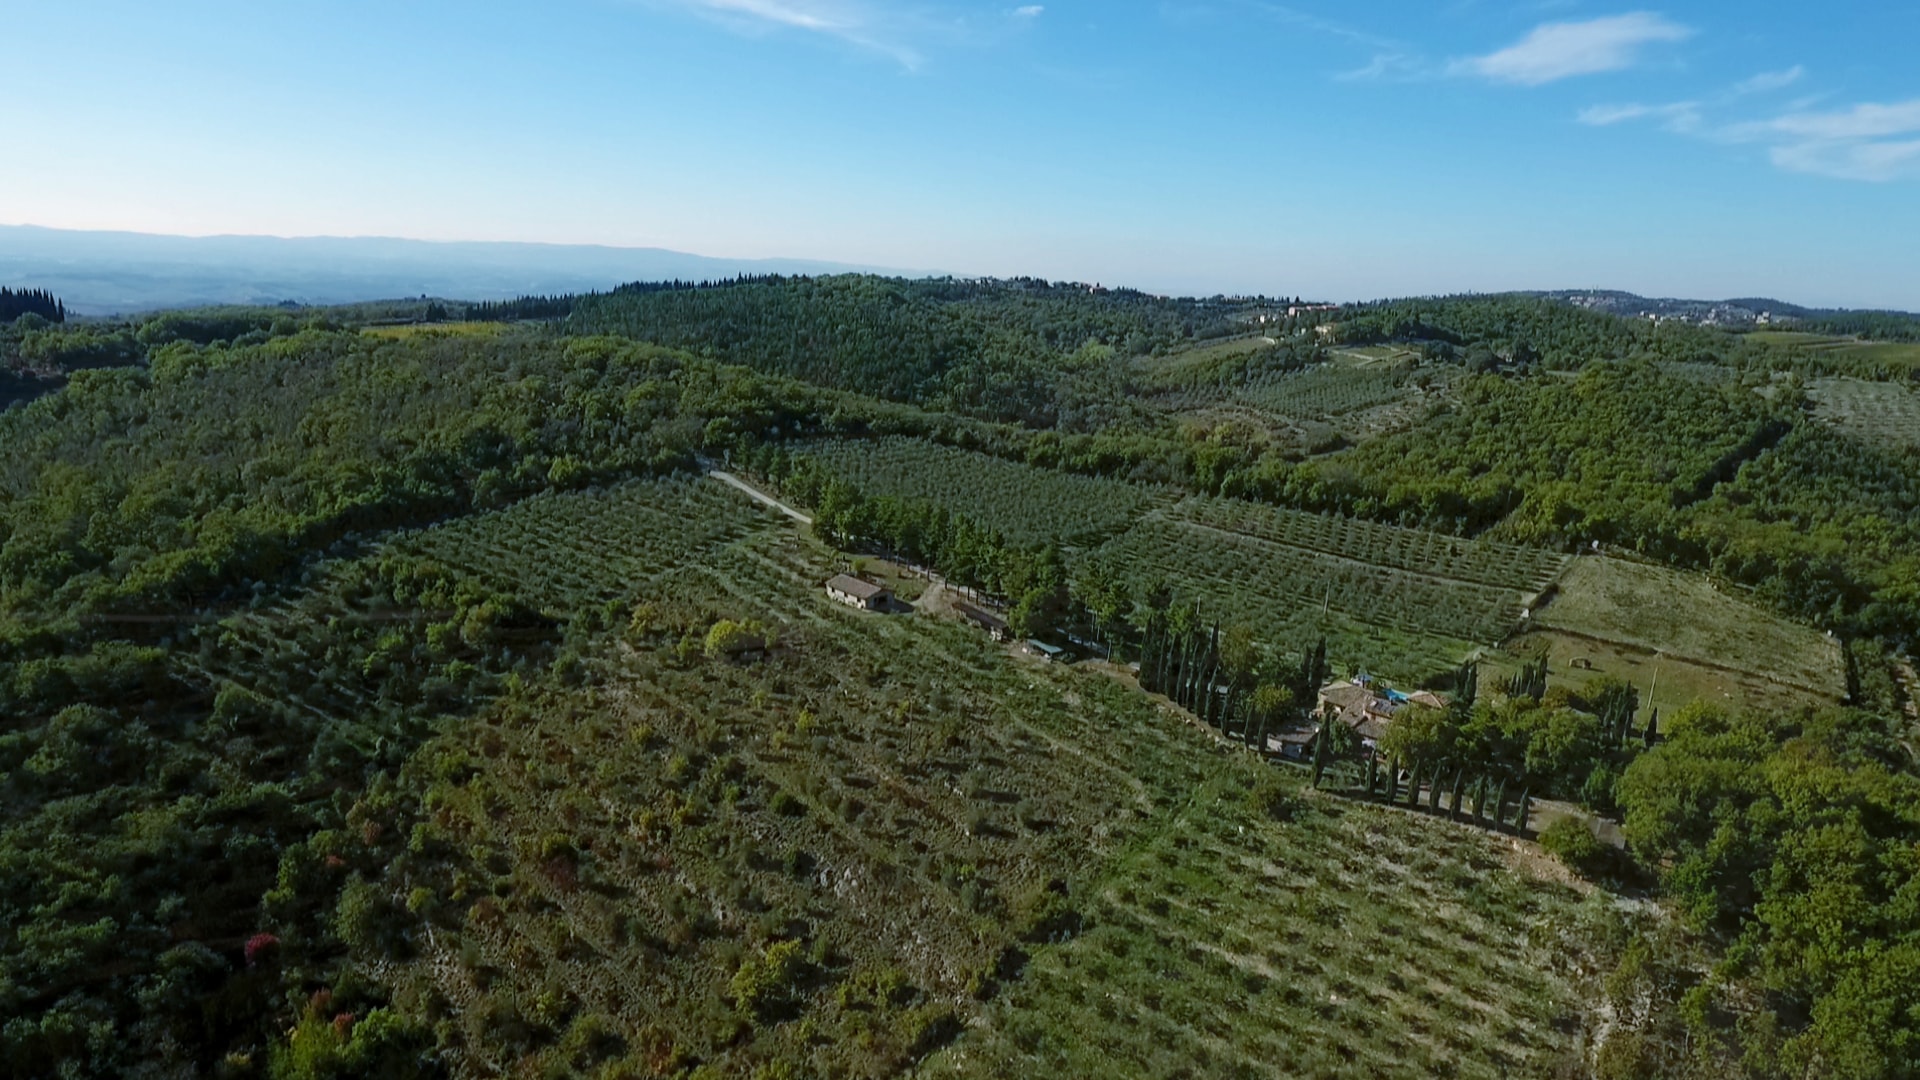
765 985
1273 798
261 947
1571 840
382 1045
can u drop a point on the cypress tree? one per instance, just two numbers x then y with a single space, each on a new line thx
1524 811
1500 805
1459 778
1393 782
1373 773
1320 755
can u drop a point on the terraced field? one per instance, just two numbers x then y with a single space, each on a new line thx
937 845
1884 355
1877 412
1353 941
1396 600
1028 505
1328 391
572 551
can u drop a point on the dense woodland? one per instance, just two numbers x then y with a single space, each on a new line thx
1876 325
197 861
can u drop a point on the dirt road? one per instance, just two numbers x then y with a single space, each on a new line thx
757 495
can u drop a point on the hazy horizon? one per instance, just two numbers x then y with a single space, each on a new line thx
1377 149
347 269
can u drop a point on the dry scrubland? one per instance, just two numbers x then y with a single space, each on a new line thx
890 839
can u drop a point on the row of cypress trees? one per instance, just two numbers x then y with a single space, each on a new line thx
14 304
1196 666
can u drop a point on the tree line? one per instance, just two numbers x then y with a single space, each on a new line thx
16 303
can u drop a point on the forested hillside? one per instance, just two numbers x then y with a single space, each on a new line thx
384 696
990 349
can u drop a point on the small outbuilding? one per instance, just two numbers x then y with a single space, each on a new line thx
858 592
1052 654
986 620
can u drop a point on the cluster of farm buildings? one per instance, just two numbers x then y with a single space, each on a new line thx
1362 703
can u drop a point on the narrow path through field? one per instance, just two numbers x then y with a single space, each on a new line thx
757 495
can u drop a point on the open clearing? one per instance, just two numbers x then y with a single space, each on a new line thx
1866 353
447 329
1684 616
1877 412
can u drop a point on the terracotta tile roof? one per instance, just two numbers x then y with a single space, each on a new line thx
858 588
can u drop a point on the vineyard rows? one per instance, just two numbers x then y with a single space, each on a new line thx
1027 504
583 549
1326 391
1273 586
1506 567
1873 411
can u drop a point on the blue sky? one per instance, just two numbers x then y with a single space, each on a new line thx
1342 150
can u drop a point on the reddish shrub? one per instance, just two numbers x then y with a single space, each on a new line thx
260 947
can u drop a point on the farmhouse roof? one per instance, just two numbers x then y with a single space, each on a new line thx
858 588
1296 735
1345 695
1371 727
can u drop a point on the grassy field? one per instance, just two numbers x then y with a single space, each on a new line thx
1683 616
890 839
1866 353
1874 411
1028 505
449 329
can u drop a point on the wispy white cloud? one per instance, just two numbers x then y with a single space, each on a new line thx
1864 121
1030 11
1768 81
1680 116
856 22
1562 50
1307 20
1868 141
1874 162
1392 60
1389 67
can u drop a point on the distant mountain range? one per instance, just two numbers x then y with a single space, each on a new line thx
105 273
1744 312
